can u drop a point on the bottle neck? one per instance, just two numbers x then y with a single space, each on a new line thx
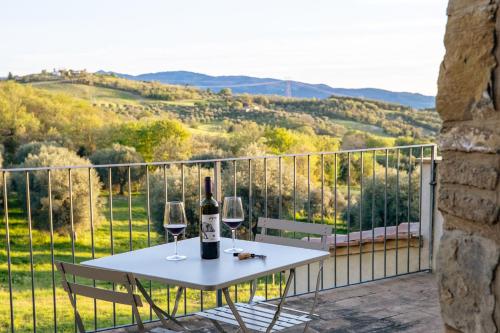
208 188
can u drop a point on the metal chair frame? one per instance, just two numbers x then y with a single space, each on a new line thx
277 322
128 298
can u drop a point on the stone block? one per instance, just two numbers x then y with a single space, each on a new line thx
466 269
472 170
468 138
466 71
459 6
474 205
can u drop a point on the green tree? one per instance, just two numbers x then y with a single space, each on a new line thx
10 77
147 136
61 205
280 140
397 201
225 92
32 148
118 154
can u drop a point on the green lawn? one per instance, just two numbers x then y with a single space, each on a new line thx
91 93
21 274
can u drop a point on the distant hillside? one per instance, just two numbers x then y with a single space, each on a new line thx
268 86
333 116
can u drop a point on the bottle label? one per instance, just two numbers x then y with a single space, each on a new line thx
210 228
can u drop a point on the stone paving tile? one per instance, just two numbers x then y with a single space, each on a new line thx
403 304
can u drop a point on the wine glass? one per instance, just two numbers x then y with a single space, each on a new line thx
175 222
232 216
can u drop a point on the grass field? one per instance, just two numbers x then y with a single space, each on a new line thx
21 273
91 93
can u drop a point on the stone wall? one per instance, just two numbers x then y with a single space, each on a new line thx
469 103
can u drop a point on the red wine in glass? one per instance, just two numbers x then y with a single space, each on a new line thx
232 223
176 229
233 216
175 222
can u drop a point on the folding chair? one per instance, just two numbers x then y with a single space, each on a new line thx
126 279
305 229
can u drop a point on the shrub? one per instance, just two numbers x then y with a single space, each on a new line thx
377 192
31 148
118 154
39 181
174 193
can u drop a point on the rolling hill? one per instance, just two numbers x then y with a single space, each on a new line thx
269 86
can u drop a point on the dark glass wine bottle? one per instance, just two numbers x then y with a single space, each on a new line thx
210 225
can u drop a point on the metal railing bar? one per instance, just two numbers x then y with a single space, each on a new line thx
385 210
148 212
165 189
111 238
250 217
92 230
322 204
294 207
361 218
265 215
51 226
397 209
335 222
72 230
373 211
280 209
129 199
420 207
183 196
348 214
30 235
432 183
235 193
309 214
7 240
199 222
409 209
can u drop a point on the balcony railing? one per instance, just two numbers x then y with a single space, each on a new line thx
380 202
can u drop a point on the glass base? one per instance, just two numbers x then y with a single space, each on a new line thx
176 257
233 250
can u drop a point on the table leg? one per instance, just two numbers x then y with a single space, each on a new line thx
178 296
253 289
282 301
234 310
315 295
159 312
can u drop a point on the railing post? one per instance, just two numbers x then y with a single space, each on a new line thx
218 197
430 218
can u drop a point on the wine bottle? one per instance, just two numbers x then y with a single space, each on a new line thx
210 225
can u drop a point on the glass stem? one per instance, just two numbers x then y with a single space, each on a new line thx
233 232
175 239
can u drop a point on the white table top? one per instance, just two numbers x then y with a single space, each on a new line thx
194 272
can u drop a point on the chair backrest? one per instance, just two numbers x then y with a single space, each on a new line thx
127 279
322 230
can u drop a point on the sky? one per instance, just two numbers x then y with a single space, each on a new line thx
388 44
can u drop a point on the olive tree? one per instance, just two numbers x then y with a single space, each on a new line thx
118 154
31 148
386 202
82 181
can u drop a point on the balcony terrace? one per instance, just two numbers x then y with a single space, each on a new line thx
402 304
375 280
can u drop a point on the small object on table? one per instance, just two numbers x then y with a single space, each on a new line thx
246 255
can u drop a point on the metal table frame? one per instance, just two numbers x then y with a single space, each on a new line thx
165 317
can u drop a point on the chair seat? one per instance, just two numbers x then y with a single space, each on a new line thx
257 316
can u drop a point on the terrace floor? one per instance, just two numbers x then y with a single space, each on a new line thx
403 304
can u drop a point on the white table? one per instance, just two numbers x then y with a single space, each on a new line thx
197 273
